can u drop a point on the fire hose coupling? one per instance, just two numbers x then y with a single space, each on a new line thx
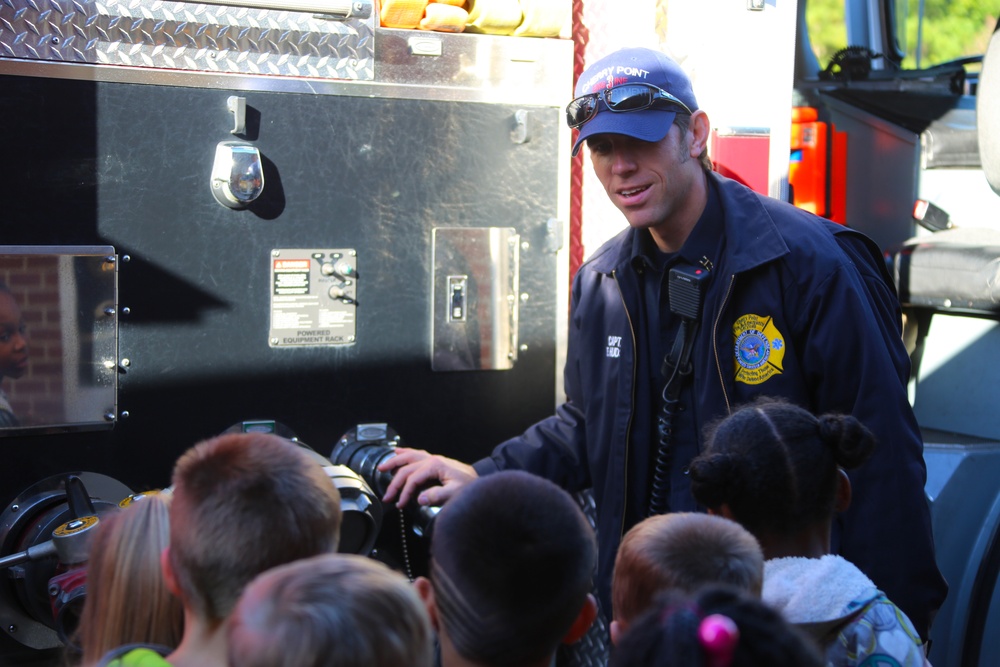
68 589
70 543
72 539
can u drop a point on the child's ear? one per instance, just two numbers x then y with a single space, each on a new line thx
843 499
169 578
617 630
583 621
426 592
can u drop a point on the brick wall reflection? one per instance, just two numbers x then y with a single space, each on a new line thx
37 397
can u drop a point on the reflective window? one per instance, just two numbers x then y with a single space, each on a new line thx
944 31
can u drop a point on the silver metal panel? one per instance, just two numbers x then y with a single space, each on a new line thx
476 275
470 68
885 212
187 36
67 298
480 68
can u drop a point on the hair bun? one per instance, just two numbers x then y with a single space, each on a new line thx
851 441
714 480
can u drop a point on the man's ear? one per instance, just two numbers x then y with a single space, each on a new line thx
583 621
700 129
844 492
169 578
426 592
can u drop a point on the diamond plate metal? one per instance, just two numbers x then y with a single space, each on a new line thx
188 36
594 648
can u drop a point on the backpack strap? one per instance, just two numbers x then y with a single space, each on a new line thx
824 632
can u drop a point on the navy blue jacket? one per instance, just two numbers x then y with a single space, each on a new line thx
797 307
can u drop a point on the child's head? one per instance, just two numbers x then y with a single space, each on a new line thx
512 564
716 627
124 567
777 467
682 551
335 610
13 341
244 503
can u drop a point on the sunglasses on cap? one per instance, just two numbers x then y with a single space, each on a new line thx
626 97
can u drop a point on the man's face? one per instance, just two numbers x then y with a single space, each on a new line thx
13 344
650 182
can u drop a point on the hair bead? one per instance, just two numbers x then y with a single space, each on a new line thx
718 636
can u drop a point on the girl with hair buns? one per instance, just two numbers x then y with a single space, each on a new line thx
780 471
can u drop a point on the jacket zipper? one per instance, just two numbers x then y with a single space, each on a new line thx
715 343
628 430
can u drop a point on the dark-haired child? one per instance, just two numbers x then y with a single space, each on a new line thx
681 551
512 567
779 470
717 627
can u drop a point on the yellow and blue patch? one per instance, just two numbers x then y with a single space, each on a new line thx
759 350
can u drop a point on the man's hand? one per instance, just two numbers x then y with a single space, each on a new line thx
414 468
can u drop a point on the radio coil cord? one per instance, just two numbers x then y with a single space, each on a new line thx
686 285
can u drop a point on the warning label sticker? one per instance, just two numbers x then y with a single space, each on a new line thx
313 297
291 276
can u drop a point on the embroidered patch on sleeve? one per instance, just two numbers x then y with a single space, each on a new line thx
759 348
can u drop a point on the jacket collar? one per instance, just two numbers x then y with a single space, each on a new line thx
811 590
752 238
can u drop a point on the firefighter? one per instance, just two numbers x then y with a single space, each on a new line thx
791 306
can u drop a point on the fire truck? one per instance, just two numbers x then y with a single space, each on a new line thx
290 216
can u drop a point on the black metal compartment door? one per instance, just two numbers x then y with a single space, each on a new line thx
129 164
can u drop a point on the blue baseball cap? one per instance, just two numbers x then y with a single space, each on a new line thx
634 65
